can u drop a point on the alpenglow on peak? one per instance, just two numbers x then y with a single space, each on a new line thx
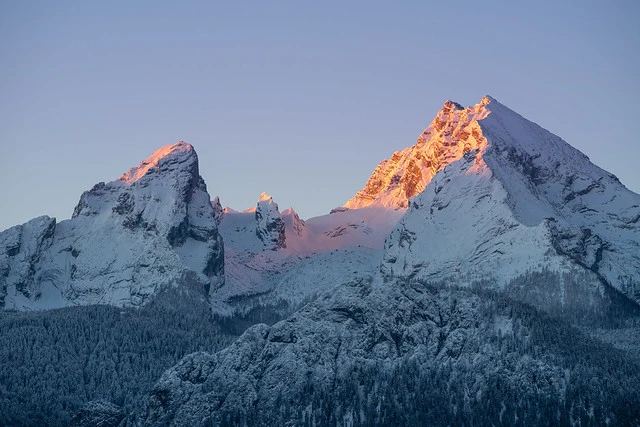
160 160
127 240
454 132
264 196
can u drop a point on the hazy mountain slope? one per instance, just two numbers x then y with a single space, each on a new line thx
126 240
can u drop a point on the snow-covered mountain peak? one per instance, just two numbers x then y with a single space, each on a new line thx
452 133
126 240
263 199
512 196
487 99
163 160
451 106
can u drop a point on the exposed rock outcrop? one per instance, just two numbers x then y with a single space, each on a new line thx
270 226
218 211
452 133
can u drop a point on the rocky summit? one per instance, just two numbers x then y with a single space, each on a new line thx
125 241
512 198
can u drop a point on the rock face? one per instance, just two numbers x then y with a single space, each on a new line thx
270 226
514 198
23 245
452 133
395 353
126 240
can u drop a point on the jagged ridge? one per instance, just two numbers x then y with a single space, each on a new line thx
450 135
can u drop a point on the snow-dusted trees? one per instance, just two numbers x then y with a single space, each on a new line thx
53 362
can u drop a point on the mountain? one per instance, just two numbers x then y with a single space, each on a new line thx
487 275
500 197
126 240
511 198
506 294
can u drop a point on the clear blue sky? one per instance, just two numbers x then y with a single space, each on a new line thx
298 99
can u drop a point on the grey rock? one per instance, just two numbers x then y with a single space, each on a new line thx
270 227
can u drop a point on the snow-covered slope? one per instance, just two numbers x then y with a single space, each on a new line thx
311 255
125 240
511 198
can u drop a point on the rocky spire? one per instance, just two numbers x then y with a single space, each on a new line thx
270 227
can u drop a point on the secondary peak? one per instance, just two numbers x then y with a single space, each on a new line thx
452 106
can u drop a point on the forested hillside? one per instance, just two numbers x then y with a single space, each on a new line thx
53 362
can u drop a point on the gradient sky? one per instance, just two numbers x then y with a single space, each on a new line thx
298 99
